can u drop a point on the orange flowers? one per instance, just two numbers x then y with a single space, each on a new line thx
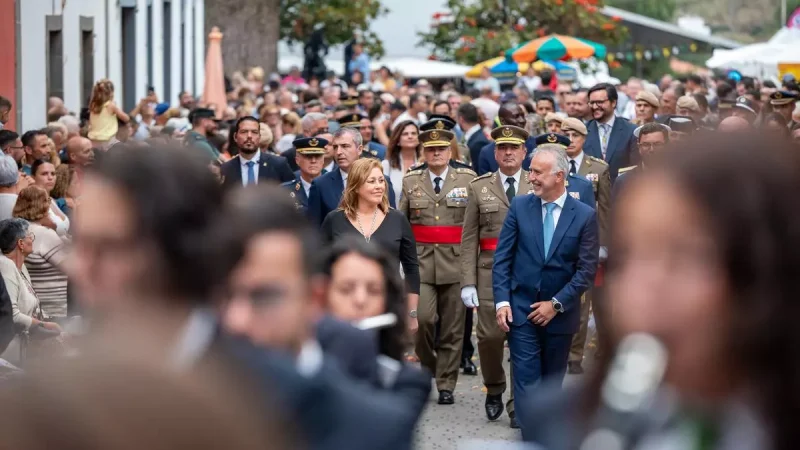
608 26
491 34
470 21
519 27
616 18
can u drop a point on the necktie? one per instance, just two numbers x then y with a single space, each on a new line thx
324 171
510 192
251 173
549 227
604 138
572 170
437 187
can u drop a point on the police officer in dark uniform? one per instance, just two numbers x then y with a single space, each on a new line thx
783 103
310 156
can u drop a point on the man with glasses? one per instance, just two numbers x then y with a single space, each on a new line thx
596 171
653 137
11 144
435 199
609 137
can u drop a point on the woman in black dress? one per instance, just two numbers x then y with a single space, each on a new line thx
365 210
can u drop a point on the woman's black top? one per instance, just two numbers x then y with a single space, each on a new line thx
393 234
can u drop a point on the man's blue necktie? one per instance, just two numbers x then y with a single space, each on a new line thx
549 227
251 173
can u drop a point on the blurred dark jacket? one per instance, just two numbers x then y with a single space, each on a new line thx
6 317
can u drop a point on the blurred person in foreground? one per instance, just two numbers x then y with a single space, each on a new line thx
714 282
269 302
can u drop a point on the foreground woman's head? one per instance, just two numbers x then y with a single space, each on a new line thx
706 257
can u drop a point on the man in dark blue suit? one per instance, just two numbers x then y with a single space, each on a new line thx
251 166
509 114
609 137
326 191
546 258
310 155
470 121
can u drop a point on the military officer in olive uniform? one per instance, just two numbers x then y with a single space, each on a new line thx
435 200
596 171
310 158
490 196
443 122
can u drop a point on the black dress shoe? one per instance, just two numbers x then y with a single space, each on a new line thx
574 368
514 424
469 367
446 398
494 406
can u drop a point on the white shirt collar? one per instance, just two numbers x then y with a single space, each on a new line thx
443 177
309 360
578 161
516 178
194 340
330 167
256 159
559 201
344 176
468 135
306 185
611 121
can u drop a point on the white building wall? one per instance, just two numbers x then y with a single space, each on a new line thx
199 47
188 47
32 58
157 39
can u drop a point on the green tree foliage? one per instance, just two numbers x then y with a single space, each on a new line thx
656 9
341 18
470 32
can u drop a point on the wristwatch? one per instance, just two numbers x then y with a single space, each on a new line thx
557 305
412 314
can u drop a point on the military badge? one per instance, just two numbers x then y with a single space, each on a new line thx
297 187
593 177
374 152
313 142
440 125
434 135
575 195
551 138
484 190
507 132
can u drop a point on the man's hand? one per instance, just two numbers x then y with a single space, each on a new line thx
503 316
543 313
469 295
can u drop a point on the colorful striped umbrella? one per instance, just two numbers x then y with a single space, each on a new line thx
502 68
557 47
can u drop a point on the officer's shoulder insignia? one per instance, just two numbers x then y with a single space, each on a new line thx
297 187
626 169
598 160
291 194
413 172
466 171
482 177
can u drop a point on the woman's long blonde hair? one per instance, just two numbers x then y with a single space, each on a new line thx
102 93
359 172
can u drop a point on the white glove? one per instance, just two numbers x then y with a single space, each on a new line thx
469 295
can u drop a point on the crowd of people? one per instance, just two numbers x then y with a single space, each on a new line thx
322 252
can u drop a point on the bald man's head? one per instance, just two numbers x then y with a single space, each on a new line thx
511 114
80 151
733 124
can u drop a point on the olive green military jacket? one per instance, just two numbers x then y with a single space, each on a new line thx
483 220
596 171
438 262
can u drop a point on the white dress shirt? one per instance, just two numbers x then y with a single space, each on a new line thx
578 161
256 159
556 215
516 177
443 176
468 135
344 177
329 167
395 175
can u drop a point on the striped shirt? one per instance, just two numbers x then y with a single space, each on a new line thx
48 280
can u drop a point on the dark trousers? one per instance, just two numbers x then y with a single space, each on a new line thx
467 349
536 356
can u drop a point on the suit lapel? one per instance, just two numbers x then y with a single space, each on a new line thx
536 205
593 143
583 170
427 185
613 140
263 165
564 221
497 188
338 181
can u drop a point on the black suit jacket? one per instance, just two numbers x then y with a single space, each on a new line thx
270 168
6 317
476 142
290 156
355 350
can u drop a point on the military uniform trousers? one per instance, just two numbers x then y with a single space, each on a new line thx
579 339
442 303
491 350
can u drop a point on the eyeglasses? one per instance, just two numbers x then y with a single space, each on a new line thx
651 145
597 102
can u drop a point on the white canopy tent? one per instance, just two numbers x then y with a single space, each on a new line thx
760 59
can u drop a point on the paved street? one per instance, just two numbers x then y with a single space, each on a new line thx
451 427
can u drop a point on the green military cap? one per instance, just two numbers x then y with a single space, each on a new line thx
509 134
436 138
347 100
310 146
438 122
